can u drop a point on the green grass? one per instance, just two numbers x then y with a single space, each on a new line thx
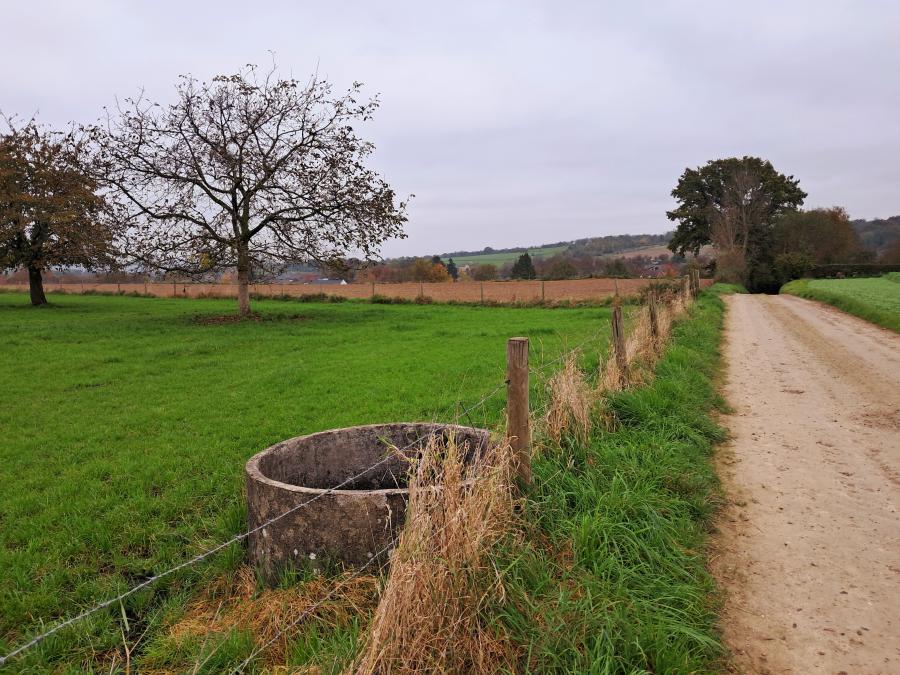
126 425
875 299
612 578
499 259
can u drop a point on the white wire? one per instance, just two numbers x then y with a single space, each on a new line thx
243 535
206 554
309 610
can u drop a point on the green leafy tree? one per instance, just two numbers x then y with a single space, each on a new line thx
792 265
484 272
707 193
523 268
733 204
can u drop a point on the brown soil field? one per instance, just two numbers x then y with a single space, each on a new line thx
472 291
808 545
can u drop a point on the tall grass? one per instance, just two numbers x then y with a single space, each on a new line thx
611 575
570 403
431 617
602 568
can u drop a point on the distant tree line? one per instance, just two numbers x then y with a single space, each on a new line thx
592 246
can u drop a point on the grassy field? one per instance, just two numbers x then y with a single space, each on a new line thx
509 257
127 421
612 578
875 299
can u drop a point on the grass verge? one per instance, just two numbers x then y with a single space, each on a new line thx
875 299
612 576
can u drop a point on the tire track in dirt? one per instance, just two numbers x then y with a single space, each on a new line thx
808 545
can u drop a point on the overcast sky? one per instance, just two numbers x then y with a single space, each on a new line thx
520 123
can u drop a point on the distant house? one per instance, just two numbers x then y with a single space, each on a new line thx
658 268
328 282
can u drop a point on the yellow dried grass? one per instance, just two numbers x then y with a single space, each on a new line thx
235 602
430 617
569 409
642 349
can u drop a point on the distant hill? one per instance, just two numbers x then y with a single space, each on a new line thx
592 246
878 234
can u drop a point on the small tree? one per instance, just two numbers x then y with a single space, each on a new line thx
826 236
560 268
484 272
250 172
892 255
50 212
452 270
523 268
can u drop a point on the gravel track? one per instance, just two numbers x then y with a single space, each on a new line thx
808 545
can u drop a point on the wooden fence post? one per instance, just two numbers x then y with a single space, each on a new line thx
654 316
518 431
482 292
686 288
373 290
618 338
696 282
174 289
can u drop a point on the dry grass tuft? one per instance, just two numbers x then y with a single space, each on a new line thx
235 602
569 411
642 349
641 346
430 618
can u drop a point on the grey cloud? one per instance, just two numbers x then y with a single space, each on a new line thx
522 122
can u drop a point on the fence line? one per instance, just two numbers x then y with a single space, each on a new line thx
233 540
461 291
307 612
243 535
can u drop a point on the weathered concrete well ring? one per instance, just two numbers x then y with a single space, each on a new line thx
350 524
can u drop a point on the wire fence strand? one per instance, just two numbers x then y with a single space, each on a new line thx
216 549
37 639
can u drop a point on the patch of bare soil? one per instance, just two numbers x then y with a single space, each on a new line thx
808 547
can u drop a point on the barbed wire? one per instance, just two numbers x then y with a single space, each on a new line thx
309 610
37 639
233 540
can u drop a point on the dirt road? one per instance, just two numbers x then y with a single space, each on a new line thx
808 549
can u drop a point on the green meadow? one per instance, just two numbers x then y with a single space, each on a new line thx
127 421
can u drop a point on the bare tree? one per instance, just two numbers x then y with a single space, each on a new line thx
51 214
744 205
249 171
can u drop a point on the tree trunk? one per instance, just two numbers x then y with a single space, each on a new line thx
36 287
243 270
